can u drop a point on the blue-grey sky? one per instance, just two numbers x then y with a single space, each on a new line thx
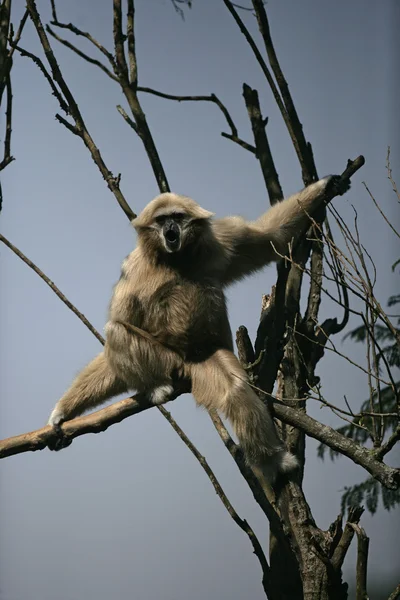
130 513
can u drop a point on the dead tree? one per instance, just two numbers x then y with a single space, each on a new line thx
304 562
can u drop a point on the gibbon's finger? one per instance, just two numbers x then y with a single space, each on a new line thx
60 440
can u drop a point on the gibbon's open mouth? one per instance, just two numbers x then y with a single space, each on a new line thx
172 236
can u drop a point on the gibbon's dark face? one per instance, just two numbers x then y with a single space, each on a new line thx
173 229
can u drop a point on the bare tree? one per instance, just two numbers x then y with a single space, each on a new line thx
304 561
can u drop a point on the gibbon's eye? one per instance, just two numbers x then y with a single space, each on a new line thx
160 219
178 216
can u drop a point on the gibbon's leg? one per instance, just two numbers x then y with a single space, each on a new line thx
93 386
221 383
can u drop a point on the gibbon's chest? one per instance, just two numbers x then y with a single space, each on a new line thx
185 311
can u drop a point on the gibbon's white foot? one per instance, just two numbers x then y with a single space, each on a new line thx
56 417
281 463
287 462
160 394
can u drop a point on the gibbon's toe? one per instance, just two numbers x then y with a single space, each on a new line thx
59 441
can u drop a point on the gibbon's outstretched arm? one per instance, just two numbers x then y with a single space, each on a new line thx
95 384
251 245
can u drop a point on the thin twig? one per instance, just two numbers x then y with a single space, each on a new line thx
81 54
243 524
53 286
390 177
380 210
69 105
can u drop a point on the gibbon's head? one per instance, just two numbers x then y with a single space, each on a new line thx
170 222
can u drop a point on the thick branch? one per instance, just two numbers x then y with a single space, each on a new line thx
102 419
258 125
388 476
362 562
277 96
303 149
343 544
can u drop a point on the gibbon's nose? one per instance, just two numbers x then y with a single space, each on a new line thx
171 234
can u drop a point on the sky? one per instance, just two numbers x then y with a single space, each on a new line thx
129 512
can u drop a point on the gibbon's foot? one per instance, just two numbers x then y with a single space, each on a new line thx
59 441
160 394
336 186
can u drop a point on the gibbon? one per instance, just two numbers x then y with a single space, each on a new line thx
171 291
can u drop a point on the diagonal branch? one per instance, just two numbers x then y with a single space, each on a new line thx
242 523
303 149
69 105
102 419
263 150
343 543
307 178
53 286
56 23
86 57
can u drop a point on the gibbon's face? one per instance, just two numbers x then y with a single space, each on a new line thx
170 222
173 229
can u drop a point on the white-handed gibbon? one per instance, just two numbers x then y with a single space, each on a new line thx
171 287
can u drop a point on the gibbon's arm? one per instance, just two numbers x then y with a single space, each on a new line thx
249 246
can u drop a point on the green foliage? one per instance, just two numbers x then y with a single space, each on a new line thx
367 493
361 428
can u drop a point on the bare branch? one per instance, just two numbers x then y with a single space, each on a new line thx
127 118
263 150
343 543
390 177
381 211
69 105
202 98
395 594
243 524
18 35
304 151
85 57
55 91
7 158
102 419
131 44
53 286
272 84
119 39
233 136
362 562
86 35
